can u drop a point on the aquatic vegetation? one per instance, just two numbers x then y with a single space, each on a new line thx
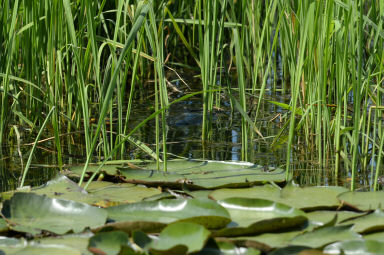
114 218
74 71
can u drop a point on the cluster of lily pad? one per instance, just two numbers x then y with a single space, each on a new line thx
238 214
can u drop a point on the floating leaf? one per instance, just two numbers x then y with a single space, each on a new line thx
131 226
363 201
39 249
194 174
307 198
227 248
379 236
32 213
76 241
294 250
372 222
324 236
108 242
99 193
273 239
180 238
255 216
202 211
141 239
3 225
263 192
322 218
10 241
311 198
355 247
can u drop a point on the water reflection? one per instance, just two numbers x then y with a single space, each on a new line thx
184 139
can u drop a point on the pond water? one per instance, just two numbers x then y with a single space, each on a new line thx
184 122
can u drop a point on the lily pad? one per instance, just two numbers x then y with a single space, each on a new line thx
99 193
379 236
180 238
372 222
39 249
226 248
324 236
363 201
76 241
108 242
195 174
324 218
294 250
263 192
355 247
307 198
32 213
202 211
275 240
3 225
10 241
131 226
255 216
311 198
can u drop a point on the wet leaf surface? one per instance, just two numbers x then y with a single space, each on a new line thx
253 216
363 201
194 174
372 222
355 247
307 198
76 241
99 193
108 242
220 221
202 211
32 213
323 236
180 238
3 225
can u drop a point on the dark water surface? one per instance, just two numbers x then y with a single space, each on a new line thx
184 122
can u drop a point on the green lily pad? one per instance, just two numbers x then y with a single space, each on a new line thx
33 213
372 222
226 248
99 193
39 249
108 242
324 218
379 236
10 241
263 192
294 250
76 241
275 240
194 174
311 198
307 198
180 238
255 216
141 239
202 211
355 247
323 236
3 225
131 226
163 195
363 201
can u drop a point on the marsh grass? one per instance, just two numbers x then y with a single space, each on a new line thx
92 60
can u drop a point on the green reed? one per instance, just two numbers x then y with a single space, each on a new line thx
91 61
